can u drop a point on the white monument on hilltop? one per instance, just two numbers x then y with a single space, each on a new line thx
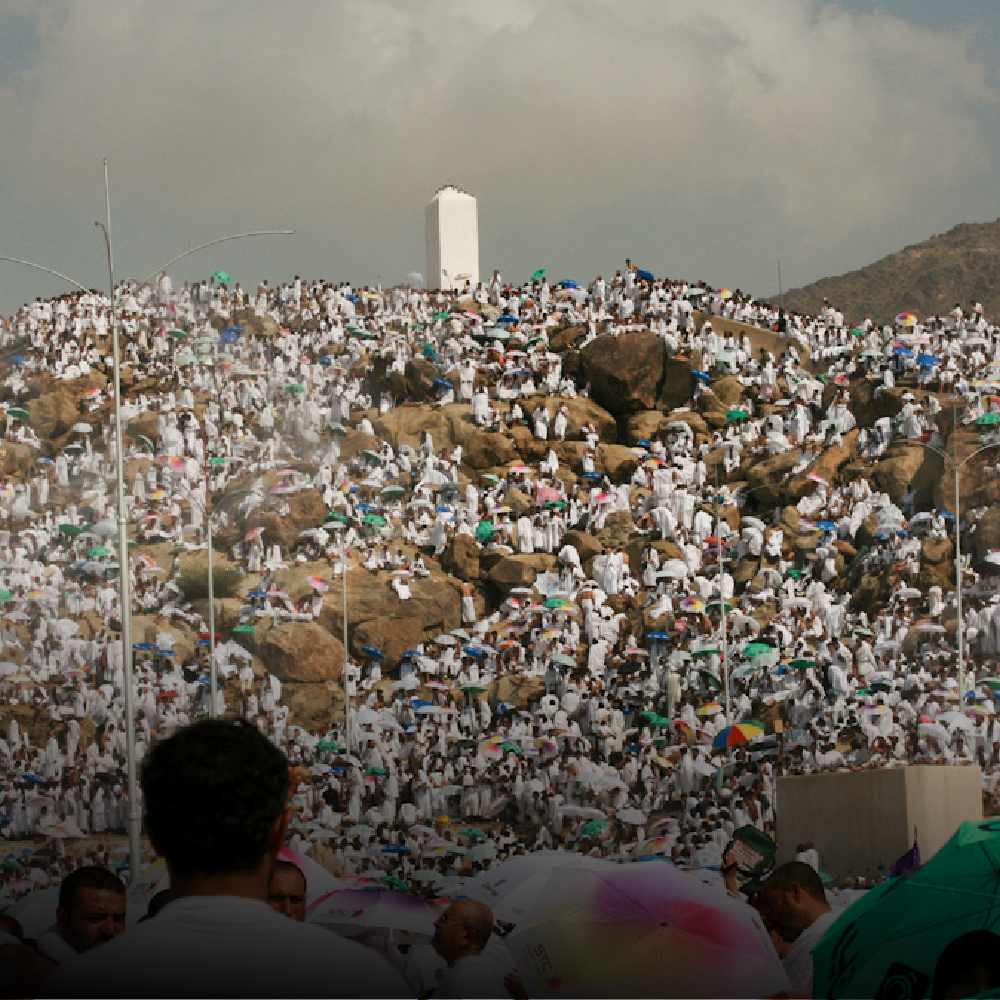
452 224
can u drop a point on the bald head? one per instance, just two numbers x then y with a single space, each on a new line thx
462 930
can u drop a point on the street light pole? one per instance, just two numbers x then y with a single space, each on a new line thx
124 573
345 559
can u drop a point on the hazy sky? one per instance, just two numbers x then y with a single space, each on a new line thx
704 139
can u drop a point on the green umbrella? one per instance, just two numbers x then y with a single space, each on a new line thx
704 651
539 274
717 606
737 416
222 276
17 413
372 456
490 477
340 430
484 532
710 678
145 442
474 689
512 747
244 628
858 333
295 388
6 595
380 771
392 491
986 420
178 334
336 515
556 603
328 745
802 664
993 683
377 520
74 449
70 529
747 671
897 931
442 315
556 504
394 882
756 648
217 460
99 552
595 827
472 831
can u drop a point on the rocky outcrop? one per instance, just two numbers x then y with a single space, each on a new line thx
302 651
626 373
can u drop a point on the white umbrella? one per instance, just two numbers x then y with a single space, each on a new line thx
634 816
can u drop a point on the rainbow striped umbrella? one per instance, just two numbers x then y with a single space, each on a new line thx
642 930
740 732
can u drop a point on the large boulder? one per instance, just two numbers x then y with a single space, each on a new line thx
678 385
461 558
765 478
625 372
617 531
419 376
586 545
617 462
520 570
904 464
53 413
302 651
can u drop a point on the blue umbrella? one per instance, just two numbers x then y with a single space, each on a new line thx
371 651
645 275
702 376
477 654
591 475
883 536
442 510
506 318
410 654
203 642
926 360
395 849
443 382
4 818
505 706
204 680
233 329
257 593
144 646
365 507
947 515
228 338
165 652
34 779
644 443
19 359
353 298
902 352
660 636
326 361
568 283
418 702
826 525
339 769
45 461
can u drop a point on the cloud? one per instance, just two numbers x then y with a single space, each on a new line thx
681 130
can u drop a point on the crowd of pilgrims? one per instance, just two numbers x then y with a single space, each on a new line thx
612 753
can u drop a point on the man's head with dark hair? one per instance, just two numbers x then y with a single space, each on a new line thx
792 899
968 966
214 795
286 892
91 907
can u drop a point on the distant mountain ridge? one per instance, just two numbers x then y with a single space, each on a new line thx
961 265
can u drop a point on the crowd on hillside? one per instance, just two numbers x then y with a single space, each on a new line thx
624 643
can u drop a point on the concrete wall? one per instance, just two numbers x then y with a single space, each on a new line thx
452 239
861 821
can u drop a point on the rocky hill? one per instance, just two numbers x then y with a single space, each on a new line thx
927 279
